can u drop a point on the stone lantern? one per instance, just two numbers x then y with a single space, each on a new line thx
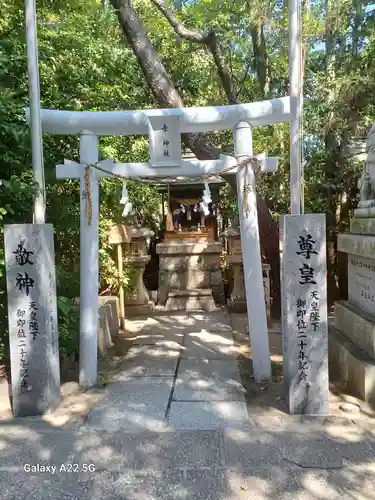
119 235
237 300
139 302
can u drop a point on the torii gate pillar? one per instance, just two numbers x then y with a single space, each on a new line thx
251 255
89 262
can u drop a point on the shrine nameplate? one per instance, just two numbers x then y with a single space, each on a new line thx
164 141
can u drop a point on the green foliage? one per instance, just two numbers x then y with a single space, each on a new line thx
68 320
84 65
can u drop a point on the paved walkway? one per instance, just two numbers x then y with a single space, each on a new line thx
173 425
181 373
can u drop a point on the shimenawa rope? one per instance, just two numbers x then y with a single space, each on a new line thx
247 189
88 195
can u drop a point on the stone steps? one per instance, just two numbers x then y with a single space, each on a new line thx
351 365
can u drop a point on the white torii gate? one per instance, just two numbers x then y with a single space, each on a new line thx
91 125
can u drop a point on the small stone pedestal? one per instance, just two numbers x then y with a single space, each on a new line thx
237 300
189 273
139 302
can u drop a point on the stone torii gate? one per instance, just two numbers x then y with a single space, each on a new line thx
164 127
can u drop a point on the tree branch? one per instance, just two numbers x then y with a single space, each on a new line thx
179 28
209 39
242 84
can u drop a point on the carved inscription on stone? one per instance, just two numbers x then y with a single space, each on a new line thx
361 283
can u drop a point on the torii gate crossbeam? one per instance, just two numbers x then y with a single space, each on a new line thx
199 119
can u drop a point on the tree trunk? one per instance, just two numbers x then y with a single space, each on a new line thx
260 57
357 22
167 96
331 147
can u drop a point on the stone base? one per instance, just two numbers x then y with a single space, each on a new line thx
362 226
361 213
356 244
351 366
189 265
237 306
138 310
190 300
357 326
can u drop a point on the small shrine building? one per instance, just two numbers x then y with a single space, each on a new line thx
189 256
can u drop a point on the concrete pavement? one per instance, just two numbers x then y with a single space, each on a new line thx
173 424
184 377
295 458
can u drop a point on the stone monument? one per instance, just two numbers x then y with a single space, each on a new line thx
139 302
352 338
32 316
304 315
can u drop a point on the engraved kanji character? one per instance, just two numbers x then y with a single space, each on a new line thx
301 323
307 275
306 245
301 313
22 255
302 344
302 355
25 283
